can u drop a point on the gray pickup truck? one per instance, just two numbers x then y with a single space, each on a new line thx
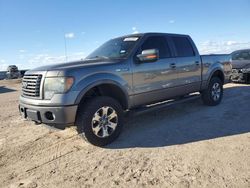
122 75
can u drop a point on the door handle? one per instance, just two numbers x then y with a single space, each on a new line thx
122 70
197 63
172 65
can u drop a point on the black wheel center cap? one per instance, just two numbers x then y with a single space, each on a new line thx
104 120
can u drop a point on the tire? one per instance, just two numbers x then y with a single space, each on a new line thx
94 120
213 95
247 78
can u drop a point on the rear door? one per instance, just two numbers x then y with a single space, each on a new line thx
188 64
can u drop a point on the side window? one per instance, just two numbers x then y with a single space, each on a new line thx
242 55
183 47
159 43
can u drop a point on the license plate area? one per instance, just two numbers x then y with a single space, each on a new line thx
32 115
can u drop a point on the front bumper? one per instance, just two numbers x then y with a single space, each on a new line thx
59 117
239 76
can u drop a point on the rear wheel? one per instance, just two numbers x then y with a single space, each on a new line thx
100 120
213 95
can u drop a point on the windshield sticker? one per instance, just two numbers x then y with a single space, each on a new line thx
131 39
122 51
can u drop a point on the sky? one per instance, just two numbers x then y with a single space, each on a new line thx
34 33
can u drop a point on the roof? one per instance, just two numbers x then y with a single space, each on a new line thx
152 33
242 50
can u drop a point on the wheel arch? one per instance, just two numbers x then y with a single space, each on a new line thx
218 73
107 87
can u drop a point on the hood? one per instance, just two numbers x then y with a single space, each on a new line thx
240 64
75 64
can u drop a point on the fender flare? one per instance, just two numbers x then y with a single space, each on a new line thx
212 73
99 81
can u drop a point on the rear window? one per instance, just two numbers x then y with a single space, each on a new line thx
183 47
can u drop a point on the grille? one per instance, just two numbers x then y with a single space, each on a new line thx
235 71
31 85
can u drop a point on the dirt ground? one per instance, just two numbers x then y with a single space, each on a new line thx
188 145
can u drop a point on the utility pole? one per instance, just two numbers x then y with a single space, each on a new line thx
65 49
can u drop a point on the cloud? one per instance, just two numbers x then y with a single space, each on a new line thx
211 46
2 60
21 56
230 43
47 59
171 21
22 51
77 56
4 65
70 35
36 60
44 59
135 30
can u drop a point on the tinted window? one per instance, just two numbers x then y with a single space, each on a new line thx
245 55
159 43
183 47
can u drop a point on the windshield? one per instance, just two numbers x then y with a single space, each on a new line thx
245 55
115 48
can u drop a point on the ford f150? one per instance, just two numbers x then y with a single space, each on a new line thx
123 74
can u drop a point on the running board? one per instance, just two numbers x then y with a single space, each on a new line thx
163 104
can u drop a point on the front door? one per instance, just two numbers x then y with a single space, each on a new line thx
151 80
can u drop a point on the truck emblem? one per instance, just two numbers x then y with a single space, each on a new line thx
25 85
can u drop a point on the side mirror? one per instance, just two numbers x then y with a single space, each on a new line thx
151 55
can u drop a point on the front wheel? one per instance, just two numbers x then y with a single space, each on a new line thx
213 95
100 120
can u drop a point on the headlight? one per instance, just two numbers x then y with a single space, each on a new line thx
245 70
57 85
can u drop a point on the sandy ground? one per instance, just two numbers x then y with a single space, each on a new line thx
188 145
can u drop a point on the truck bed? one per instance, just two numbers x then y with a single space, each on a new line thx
210 60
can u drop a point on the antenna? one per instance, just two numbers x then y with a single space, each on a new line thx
65 49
